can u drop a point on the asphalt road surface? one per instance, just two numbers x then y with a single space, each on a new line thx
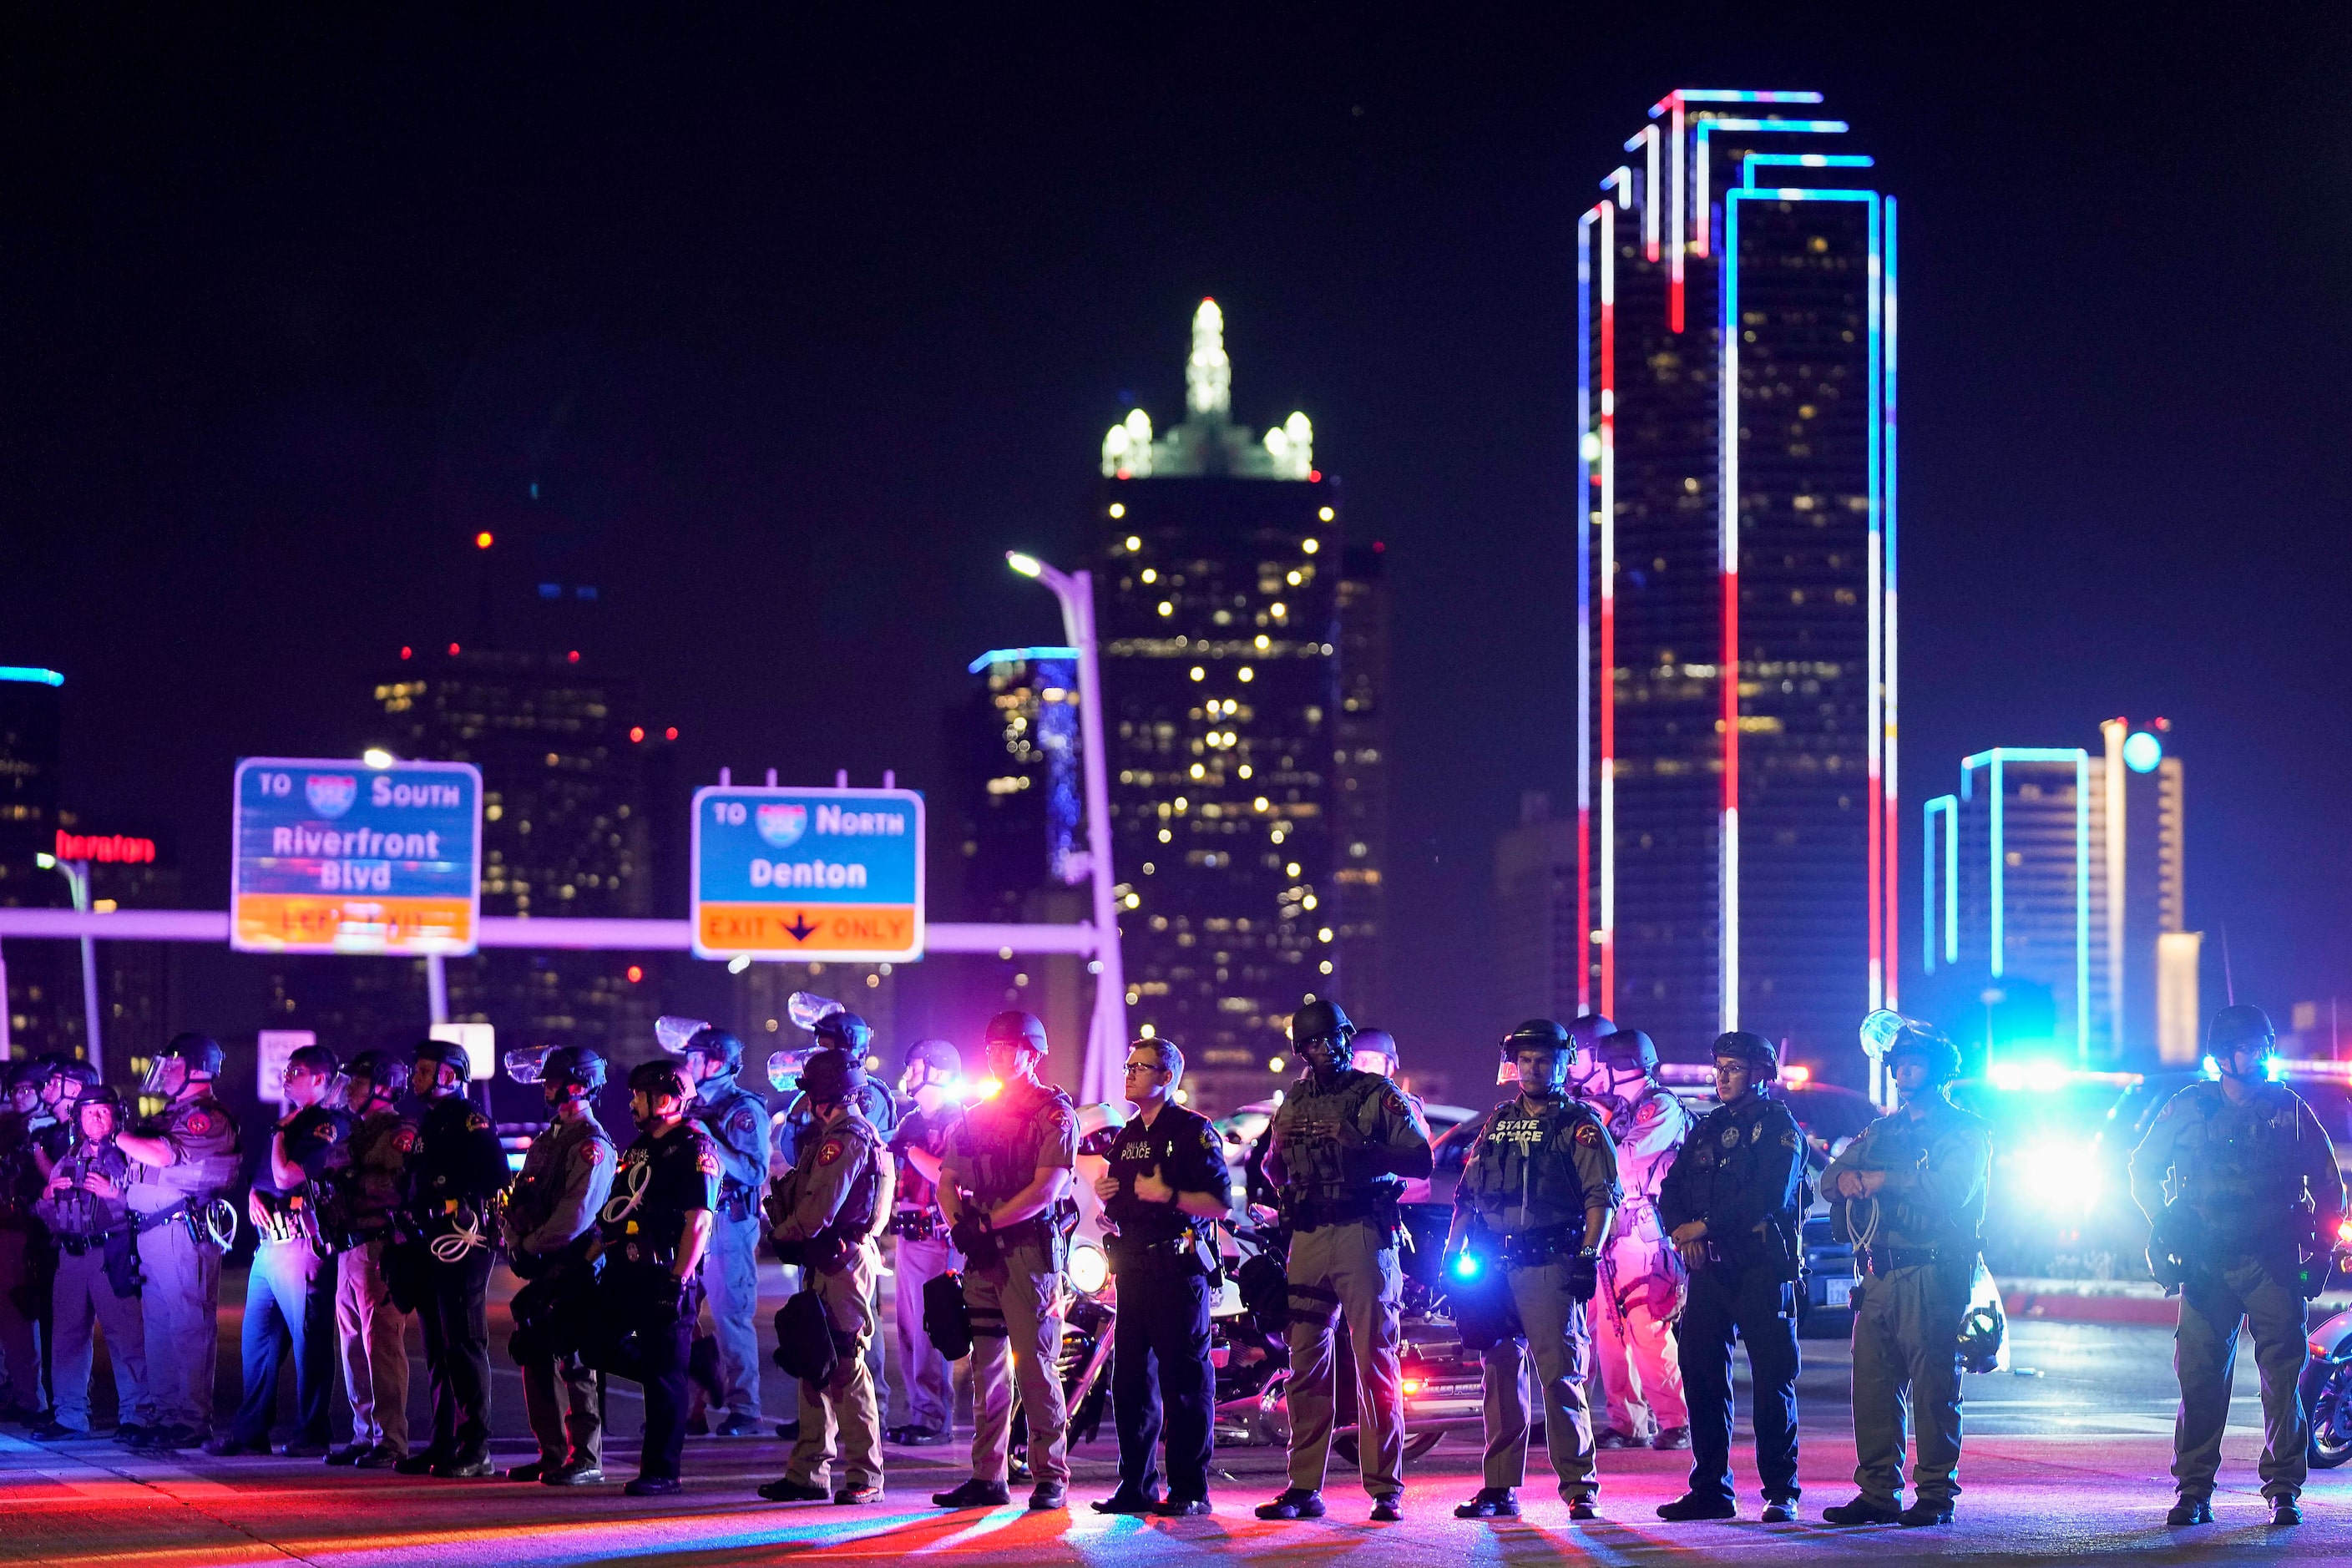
2065 1457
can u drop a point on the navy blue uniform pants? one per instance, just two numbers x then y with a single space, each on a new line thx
289 1304
654 1353
1760 1309
455 1314
1160 1362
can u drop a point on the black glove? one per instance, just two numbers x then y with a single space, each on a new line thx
1584 1276
973 1238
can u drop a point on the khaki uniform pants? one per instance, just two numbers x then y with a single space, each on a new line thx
374 1334
845 1401
1906 1350
1552 1323
1350 1269
84 1297
2205 1355
1633 1346
180 1308
1014 1319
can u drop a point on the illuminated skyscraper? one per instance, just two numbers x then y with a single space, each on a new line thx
1217 576
1736 596
1538 944
2062 871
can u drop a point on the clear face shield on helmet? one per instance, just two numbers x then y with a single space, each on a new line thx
785 1067
529 1064
807 1009
920 1075
672 1030
1373 1060
166 1075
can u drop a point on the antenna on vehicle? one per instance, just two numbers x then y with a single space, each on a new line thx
2229 984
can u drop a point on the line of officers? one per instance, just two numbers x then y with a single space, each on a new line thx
1596 1222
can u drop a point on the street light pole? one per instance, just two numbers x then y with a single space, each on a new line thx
1107 1040
77 876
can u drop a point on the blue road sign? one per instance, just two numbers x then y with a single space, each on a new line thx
339 857
834 874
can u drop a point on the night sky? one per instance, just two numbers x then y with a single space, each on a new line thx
797 330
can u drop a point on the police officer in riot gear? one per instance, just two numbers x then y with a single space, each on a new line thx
453 1183
1910 1193
289 1293
69 1079
1341 1147
933 1073
827 1211
98 1269
549 1227
356 1205
1006 1187
737 1120
24 1248
1643 1280
1732 1206
1164 1191
181 1160
1537 1197
653 1234
2255 1200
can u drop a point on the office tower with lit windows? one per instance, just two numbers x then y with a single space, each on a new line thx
1218 564
1361 774
1735 587
1538 944
576 794
2054 910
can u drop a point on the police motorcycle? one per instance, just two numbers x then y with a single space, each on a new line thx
2326 1383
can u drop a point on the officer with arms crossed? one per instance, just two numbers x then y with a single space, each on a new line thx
1733 1204
453 1181
926 1380
356 1204
1911 1196
653 1234
549 1227
1166 1188
2254 1195
98 1271
1005 1185
1341 1147
289 1298
1539 1194
828 1210
1643 1280
181 1160
737 1120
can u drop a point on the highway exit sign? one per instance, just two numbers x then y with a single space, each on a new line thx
335 855
830 874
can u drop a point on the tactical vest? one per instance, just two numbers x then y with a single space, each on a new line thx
2240 1168
1528 1163
1313 1166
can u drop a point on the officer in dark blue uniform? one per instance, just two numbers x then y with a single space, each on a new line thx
737 1120
653 1233
453 1181
1731 1206
1166 1189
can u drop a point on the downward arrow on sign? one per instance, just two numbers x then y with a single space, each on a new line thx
800 927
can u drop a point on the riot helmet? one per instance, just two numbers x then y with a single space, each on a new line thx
25 1081
318 1064
1374 1051
74 1081
186 1056
1010 1034
655 1080
930 1063
1320 1034
785 1067
715 1045
1587 1031
1887 1036
1627 1056
574 1071
1763 1062
846 1031
2239 1027
382 1071
1100 1127
438 1054
832 1077
1555 1052
101 1098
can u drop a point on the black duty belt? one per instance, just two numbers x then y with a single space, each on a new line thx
1534 1248
916 1224
1882 1260
143 1223
1314 1214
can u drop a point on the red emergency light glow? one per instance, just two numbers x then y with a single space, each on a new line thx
637 733
483 541
572 658
670 733
453 650
406 652
107 849
636 973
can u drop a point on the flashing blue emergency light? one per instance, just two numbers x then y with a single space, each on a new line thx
2142 751
1466 1266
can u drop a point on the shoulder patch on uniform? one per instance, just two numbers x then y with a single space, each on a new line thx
707 1163
1789 1140
477 1122
405 1140
198 1123
1588 1134
1648 1110
744 1119
595 1151
831 1151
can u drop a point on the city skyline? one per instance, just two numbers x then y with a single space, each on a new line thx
251 472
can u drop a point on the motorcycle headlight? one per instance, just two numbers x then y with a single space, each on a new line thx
1089 1270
